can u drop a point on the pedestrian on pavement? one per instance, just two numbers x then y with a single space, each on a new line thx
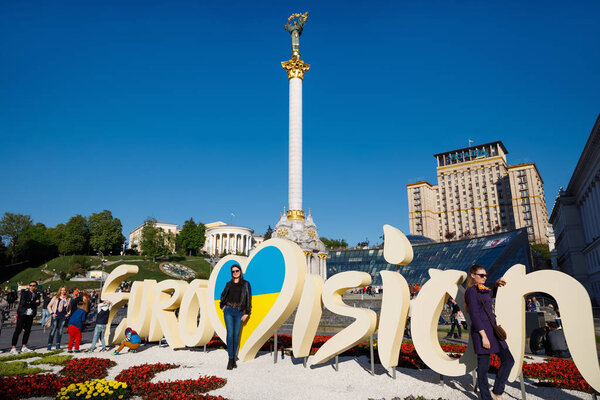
75 327
46 297
26 311
478 299
59 309
101 321
455 309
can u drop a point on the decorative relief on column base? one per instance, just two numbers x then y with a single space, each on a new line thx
296 215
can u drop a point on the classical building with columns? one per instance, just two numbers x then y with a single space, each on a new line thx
228 239
575 218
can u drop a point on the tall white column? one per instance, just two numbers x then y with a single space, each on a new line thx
295 145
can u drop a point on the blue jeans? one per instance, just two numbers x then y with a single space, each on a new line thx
99 331
45 316
58 323
233 323
483 365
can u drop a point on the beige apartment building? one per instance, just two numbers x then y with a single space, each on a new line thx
135 236
478 194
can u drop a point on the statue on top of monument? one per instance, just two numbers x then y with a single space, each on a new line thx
295 29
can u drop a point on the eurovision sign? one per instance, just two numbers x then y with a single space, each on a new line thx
277 271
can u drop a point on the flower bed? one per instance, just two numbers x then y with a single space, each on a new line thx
138 379
94 389
555 372
38 385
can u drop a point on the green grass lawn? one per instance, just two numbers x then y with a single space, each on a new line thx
150 269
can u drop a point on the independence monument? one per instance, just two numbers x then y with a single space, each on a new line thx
294 225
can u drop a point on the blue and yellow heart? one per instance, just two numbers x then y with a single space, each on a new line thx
265 272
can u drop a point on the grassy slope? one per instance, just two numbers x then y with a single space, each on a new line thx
148 270
59 264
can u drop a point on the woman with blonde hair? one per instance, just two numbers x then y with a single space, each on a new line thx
478 301
59 309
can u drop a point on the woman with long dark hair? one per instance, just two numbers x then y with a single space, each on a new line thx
478 300
236 303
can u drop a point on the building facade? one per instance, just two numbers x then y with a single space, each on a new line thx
135 236
576 219
228 239
478 194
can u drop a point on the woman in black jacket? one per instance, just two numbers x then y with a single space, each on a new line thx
236 303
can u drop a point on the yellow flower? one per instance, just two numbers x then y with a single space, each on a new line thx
88 397
120 396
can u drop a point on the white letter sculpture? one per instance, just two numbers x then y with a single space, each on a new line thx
308 316
366 320
575 310
396 297
424 323
118 300
195 302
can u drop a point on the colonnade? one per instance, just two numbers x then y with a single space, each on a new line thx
230 243
317 263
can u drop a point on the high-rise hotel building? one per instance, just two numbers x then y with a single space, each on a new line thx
478 194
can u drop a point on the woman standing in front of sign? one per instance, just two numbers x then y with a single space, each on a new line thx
478 299
236 303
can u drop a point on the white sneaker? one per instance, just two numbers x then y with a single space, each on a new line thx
25 350
14 352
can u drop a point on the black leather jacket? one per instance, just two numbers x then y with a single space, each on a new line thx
246 300
28 300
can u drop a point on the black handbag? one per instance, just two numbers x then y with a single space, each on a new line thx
499 332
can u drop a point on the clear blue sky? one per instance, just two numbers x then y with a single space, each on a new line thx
178 109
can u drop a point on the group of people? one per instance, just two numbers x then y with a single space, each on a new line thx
236 303
57 311
549 340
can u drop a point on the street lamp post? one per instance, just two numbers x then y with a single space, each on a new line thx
101 255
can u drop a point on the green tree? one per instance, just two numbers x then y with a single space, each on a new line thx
35 244
269 233
105 232
153 243
3 254
334 243
76 237
191 237
11 227
57 235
